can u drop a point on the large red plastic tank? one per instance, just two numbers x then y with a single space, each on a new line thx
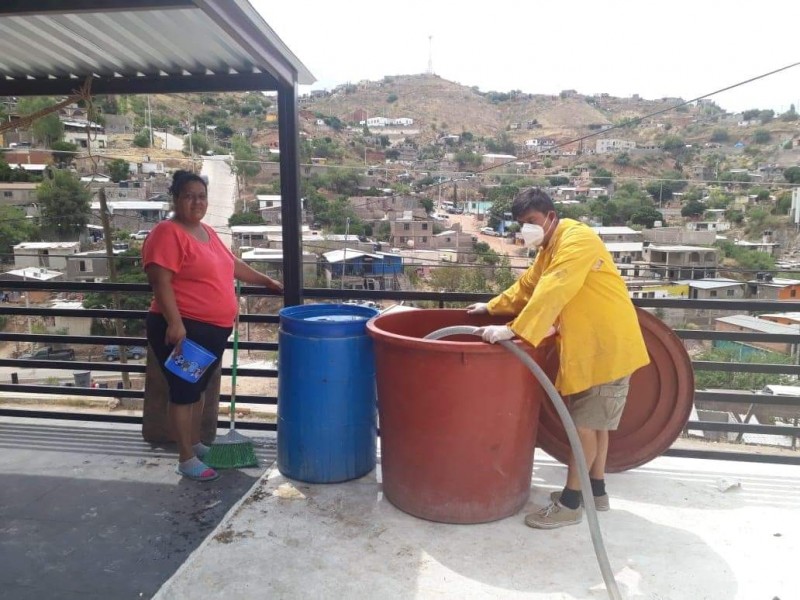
458 418
659 402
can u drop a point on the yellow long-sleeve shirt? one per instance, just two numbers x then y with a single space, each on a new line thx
574 285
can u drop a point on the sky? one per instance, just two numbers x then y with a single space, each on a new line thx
621 47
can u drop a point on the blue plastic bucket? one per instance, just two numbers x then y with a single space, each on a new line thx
327 411
192 361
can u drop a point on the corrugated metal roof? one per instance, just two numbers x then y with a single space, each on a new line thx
624 246
711 283
756 324
127 41
335 256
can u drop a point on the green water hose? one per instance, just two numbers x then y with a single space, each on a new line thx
574 442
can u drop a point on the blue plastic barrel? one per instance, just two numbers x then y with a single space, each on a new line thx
327 423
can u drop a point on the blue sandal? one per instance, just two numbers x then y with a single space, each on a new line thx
200 472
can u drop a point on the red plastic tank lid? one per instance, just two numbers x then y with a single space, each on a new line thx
659 403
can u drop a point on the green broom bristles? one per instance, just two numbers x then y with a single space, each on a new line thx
232 450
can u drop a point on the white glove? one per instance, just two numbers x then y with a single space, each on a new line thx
496 333
479 308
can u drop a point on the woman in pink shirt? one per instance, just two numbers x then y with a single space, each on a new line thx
191 273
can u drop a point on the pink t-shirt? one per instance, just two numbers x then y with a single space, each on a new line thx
203 280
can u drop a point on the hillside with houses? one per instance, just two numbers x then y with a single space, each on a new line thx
407 184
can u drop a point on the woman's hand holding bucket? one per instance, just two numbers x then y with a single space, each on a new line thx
175 335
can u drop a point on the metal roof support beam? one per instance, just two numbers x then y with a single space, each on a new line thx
291 210
141 85
27 7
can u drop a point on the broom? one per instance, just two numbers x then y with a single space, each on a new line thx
233 450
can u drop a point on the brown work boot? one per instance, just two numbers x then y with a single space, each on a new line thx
601 503
553 516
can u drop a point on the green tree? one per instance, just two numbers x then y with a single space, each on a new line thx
501 144
783 203
64 152
752 114
343 182
245 160
504 276
119 169
740 380
790 115
729 177
646 216
604 209
623 159
765 116
468 159
761 136
63 205
720 135
602 177
501 198
572 211
47 129
196 142
792 174
129 270
427 204
142 139
674 144
734 216
557 180
15 227
391 98
693 208
248 218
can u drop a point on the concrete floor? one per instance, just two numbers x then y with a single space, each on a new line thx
672 533
91 511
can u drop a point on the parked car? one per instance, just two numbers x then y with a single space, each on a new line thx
50 353
490 231
140 235
135 352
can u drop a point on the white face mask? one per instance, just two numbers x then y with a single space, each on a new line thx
532 235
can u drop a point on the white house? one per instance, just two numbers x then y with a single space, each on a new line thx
75 132
625 252
44 254
613 145
618 234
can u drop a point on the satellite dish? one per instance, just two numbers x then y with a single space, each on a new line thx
410 243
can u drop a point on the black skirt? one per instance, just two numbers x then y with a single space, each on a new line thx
211 337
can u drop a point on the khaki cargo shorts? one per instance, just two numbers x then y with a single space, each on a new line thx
600 407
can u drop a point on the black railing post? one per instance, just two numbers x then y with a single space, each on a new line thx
291 209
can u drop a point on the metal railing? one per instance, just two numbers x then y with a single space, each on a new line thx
720 400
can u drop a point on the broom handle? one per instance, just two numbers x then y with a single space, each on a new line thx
235 358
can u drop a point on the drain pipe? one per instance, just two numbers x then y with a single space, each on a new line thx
574 442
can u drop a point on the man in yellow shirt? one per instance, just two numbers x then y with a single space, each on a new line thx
573 286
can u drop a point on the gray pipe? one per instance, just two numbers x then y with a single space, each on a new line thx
574 442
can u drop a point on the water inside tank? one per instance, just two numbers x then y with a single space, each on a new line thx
338 318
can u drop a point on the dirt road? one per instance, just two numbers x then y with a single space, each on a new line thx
501 245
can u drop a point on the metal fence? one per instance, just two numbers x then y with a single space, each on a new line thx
708 401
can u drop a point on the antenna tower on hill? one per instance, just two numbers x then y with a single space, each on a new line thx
430 55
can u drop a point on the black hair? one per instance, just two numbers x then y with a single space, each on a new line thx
531 199
180 178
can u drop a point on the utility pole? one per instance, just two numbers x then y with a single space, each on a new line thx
112 276
150 120
344 251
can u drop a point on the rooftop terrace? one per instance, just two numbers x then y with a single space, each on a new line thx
91 511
